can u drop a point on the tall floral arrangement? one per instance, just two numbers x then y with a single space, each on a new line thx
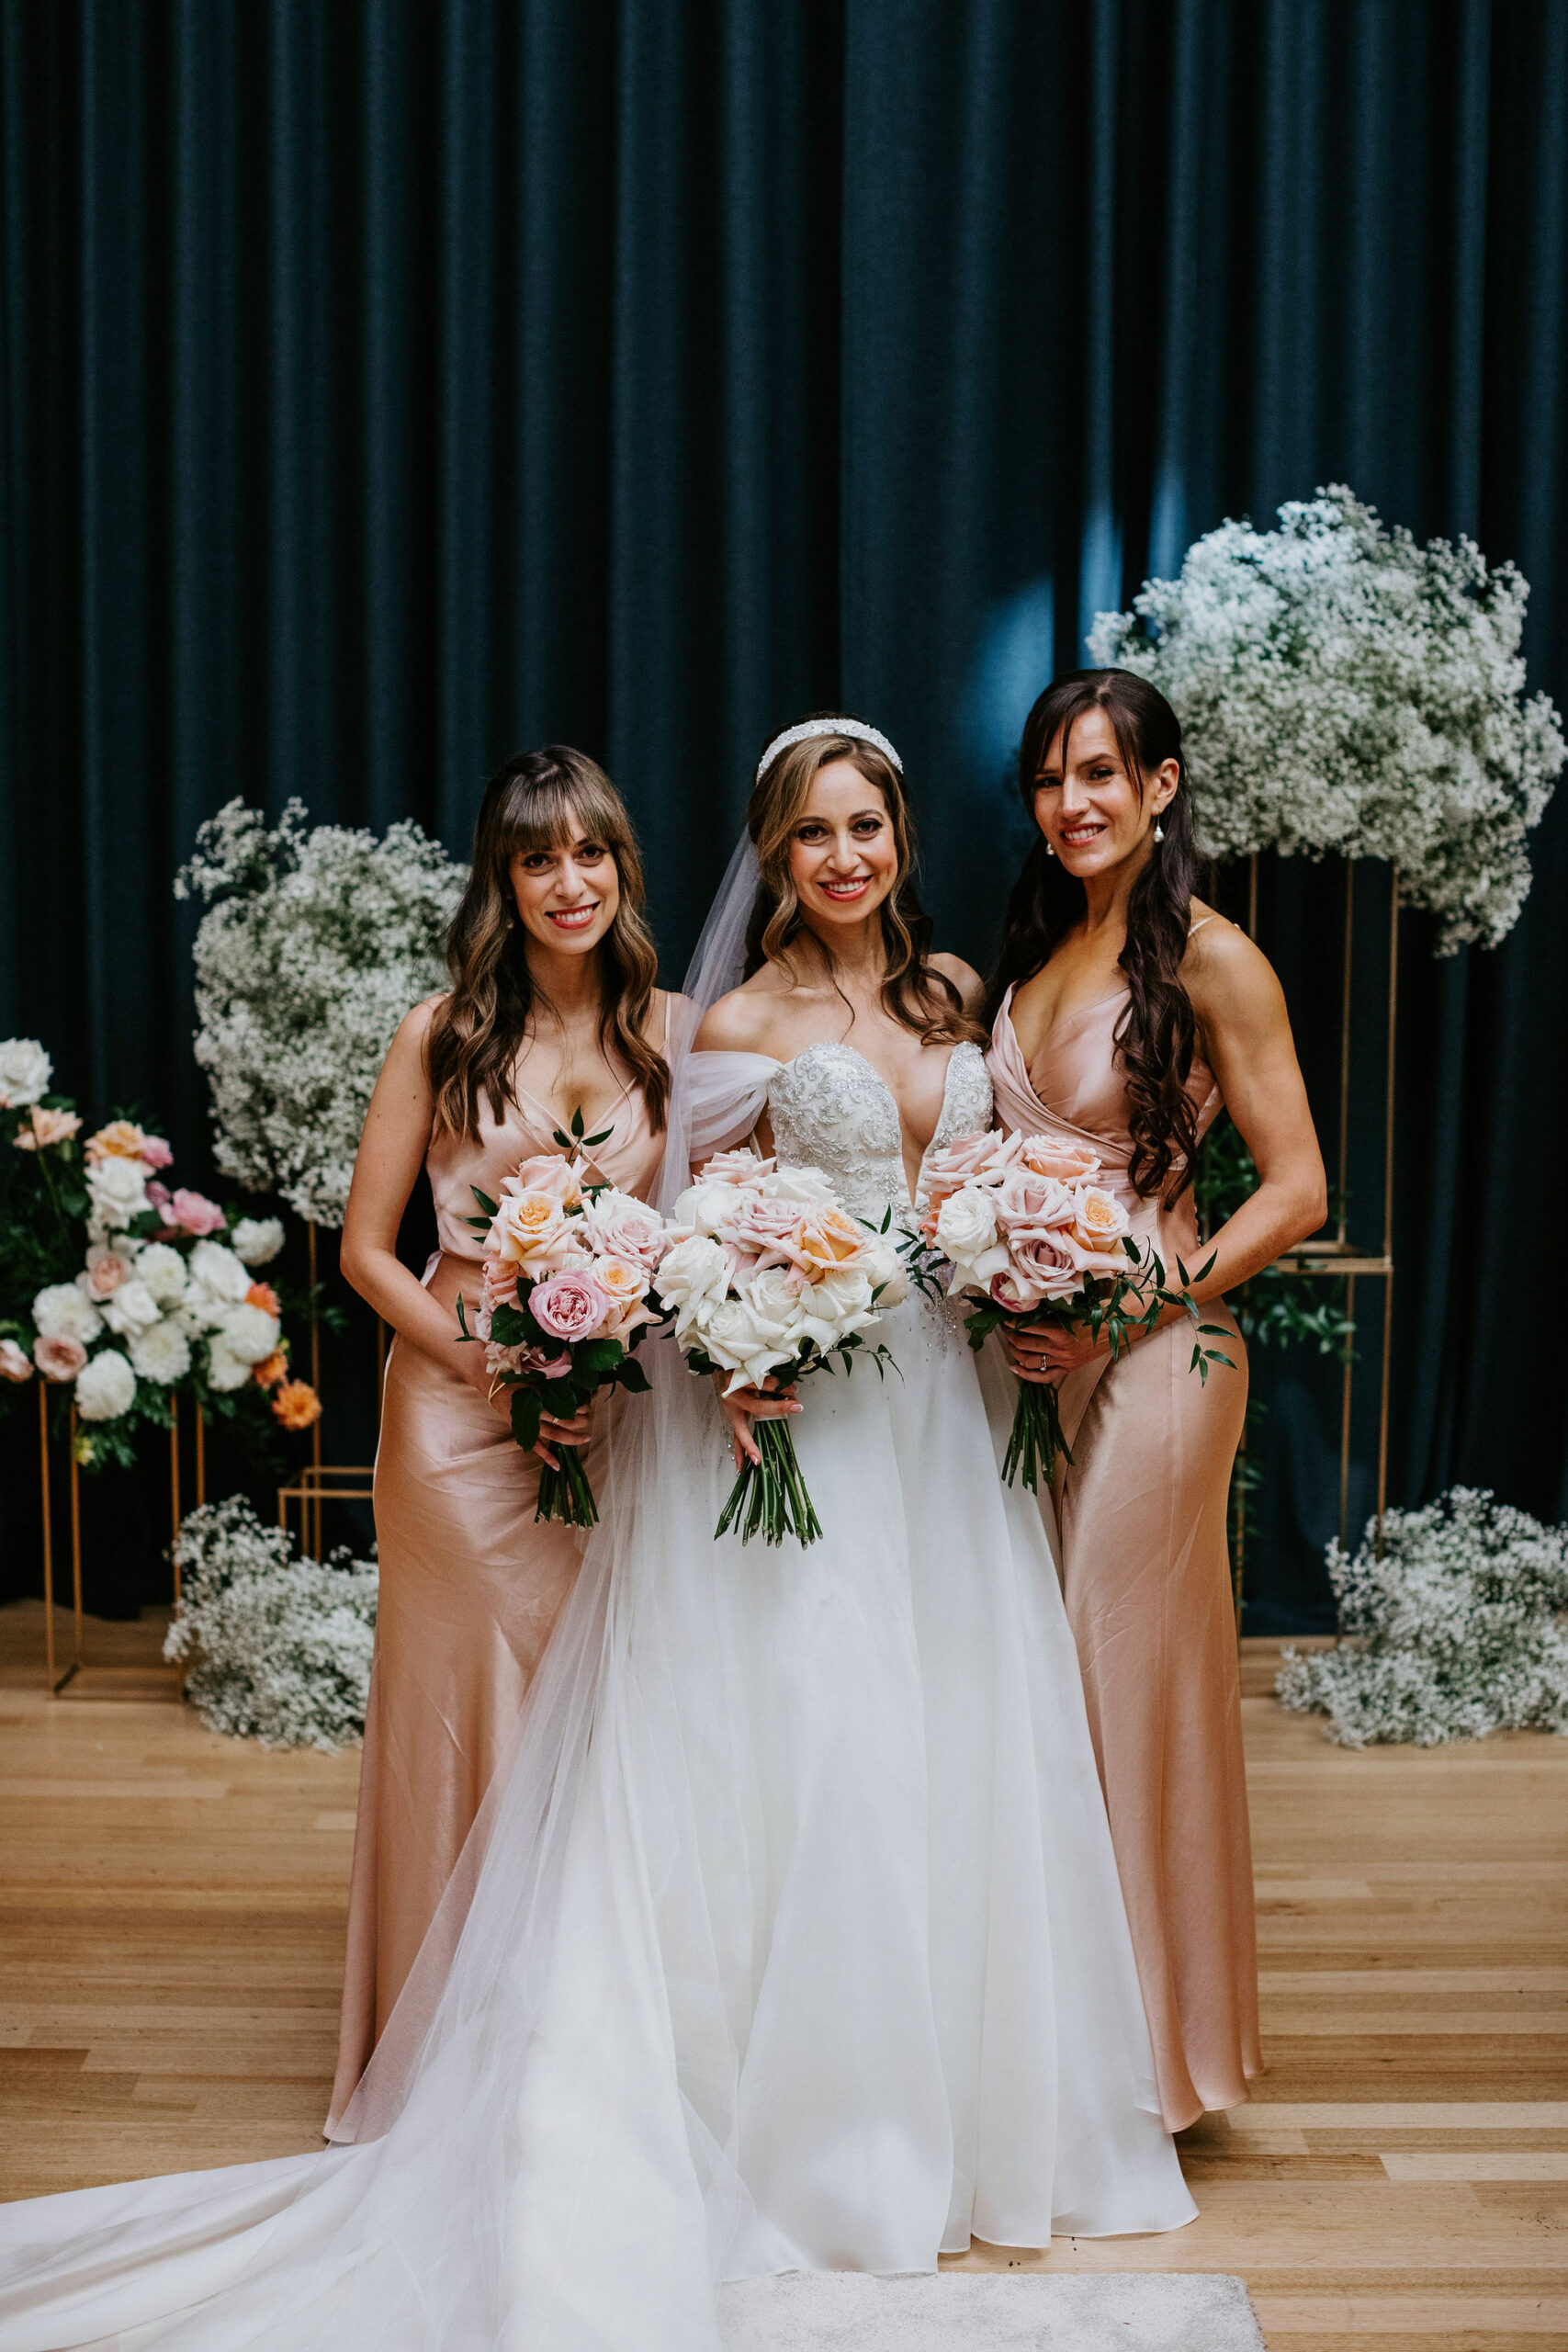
1460 1629
1342 689
282 1644
315 943
118 1290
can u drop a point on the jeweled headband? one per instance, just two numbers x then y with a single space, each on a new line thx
856 728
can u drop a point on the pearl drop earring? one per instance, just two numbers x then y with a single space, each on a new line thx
1159 830
1049 851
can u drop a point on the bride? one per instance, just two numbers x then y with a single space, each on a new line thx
792 1938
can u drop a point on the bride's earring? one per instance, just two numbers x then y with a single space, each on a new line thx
1159 830
1049 851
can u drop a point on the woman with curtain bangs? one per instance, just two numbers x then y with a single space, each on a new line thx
1126 1016
552 1009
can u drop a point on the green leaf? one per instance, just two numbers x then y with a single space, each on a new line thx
598 1355
484 1201
527 1411
509 1327
632 1377
603 1135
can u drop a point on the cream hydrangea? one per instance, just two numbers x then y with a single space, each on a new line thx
161 1354
250 1333
1341 689
162 1272
258 1239
105 1386
63 1312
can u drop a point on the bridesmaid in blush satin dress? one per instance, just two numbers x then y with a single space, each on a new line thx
470 1586
1128 1017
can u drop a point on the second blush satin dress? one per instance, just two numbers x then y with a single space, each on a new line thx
470 1586
1145 1577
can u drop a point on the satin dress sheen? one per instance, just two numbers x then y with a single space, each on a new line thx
1147 1579
470 1586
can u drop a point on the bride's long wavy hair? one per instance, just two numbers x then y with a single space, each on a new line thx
538 799
917 995
1156 1034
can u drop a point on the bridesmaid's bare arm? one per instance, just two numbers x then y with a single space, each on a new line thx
392 1146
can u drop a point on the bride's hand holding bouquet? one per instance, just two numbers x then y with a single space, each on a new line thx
1048 1255
771 1281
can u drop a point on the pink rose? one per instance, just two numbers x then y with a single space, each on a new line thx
14 1364
768 1231
619 1226
1060 1156
971 1159
59 1358
106 1272
1038 1270
548 1173
735 1168
156 1153
188 1212
1026 1202
159 1196
570 1307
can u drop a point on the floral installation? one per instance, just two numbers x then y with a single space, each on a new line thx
116 1287
770 1274
283 1644
1342 689
566 1294
314 945
1460 1629
1019 1224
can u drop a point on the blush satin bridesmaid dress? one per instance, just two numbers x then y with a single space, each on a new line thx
470 1586
1145 1577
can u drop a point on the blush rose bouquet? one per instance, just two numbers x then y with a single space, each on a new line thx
1019 1224
566 1294
770 1275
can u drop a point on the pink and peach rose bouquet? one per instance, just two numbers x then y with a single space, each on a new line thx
1020 1224
566 1294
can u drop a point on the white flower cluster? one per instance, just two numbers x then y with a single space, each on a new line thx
25 1072
283 1643
1341 689
314 945
1459 1629
155 1302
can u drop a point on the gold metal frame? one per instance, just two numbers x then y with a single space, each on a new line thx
112 1675
312 1492
1337 1256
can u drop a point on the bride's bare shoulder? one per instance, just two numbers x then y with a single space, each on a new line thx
744 1022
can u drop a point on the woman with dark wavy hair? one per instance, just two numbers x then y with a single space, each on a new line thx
1126 1015
552 1009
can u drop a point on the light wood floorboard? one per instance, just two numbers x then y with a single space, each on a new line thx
171 1938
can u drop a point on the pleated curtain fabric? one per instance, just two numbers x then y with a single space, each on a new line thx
387 386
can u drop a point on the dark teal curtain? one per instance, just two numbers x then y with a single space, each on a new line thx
383 387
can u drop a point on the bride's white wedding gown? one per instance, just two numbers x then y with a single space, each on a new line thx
797 1940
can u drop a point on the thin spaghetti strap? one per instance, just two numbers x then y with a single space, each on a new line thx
1193 929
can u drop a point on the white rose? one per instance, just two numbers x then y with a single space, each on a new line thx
25 1072
695 1271
966 1232
777 1305
734 1335
218 1270
62 1312
806 1184
163 1271
258 1239
837 1303
106 1388
249 1333
708 1208
224 1369
130 1308
887 1273
116 1190
161 1354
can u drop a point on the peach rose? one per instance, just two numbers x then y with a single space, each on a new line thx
47 1127
59 1358
106 1272
626 1284
548 1171
14 1364
530 1228
830 1238
1069 1161
296 1405
121 1139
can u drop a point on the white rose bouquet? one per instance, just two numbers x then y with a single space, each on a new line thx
771 1274
1020 1224
567 1293
111 1284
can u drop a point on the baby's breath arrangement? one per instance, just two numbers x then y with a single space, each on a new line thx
1341 689
283 1643
1459 1629
315 943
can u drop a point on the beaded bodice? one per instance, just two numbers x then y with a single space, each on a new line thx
830 1109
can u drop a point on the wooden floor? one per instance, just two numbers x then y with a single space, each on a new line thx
171 1936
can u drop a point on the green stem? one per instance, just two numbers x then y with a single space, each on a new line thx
770 1497
565 1493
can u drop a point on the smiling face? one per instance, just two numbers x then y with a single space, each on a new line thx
844 853
1089 805
567 891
